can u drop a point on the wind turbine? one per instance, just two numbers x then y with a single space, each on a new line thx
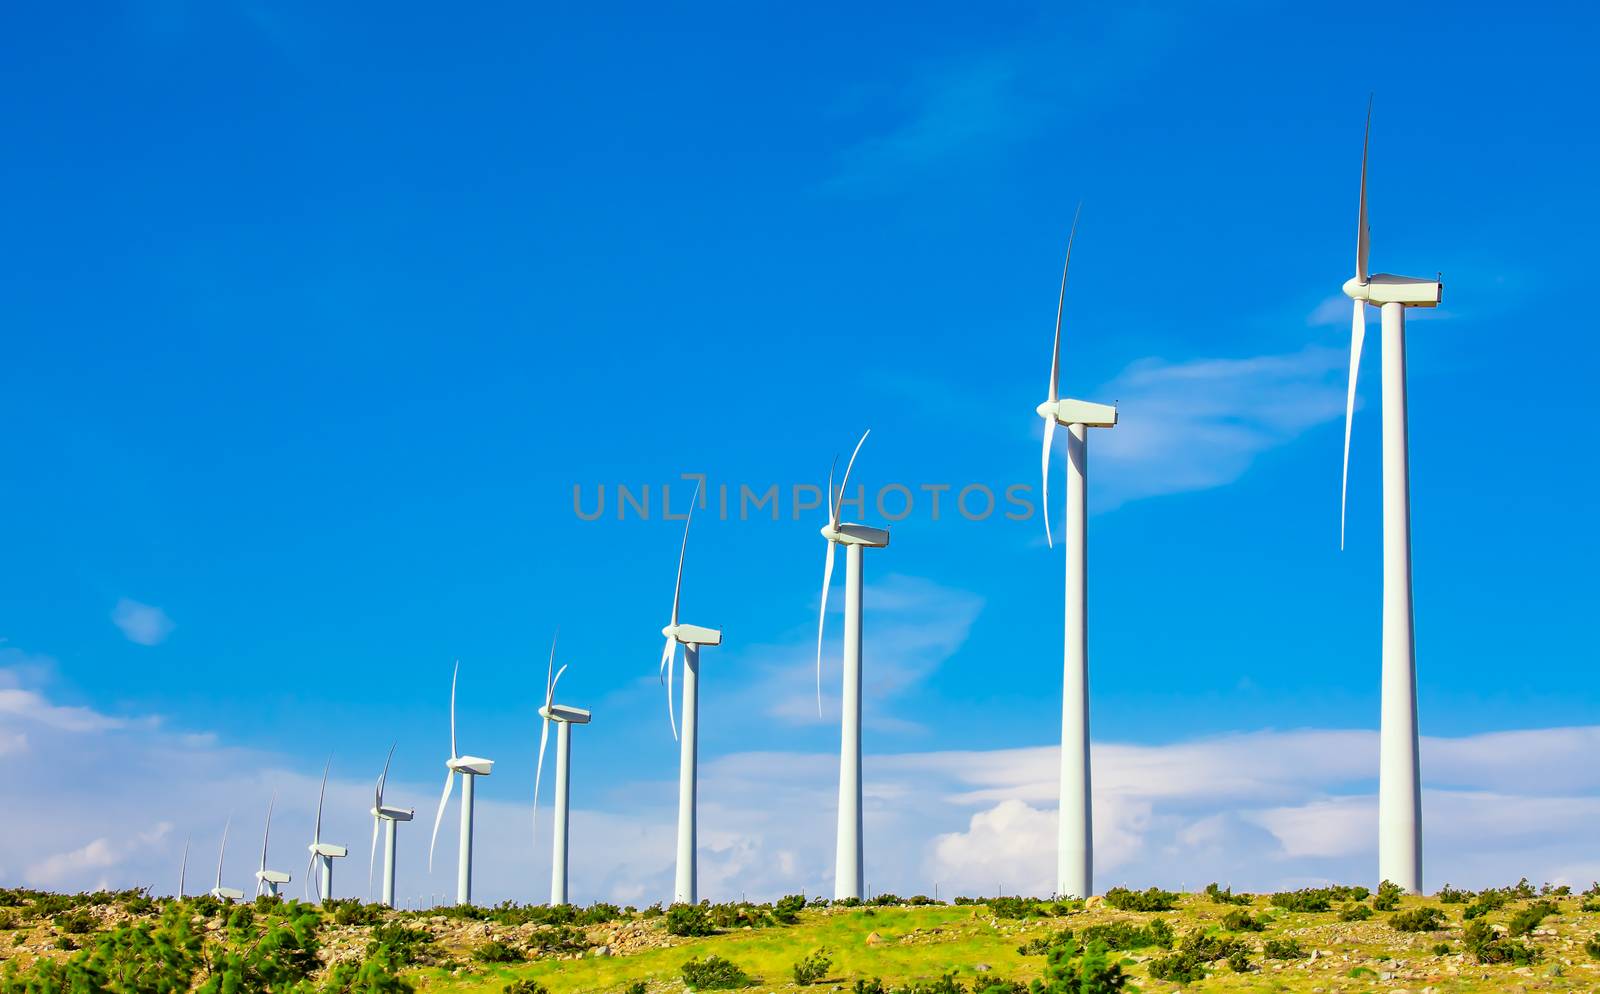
1075 827
220 892
470 768
267 881
691 637
564 717
847 874
388 817
1399 773
323 852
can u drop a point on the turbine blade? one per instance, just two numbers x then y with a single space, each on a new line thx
449 784
822 617
538 775
1363 236
1061 301
305 885
223 850
549 680
669 655
1044 469
455 673
183 868
844 487
267 832
550 694
677 587
383 777
316 835
831 470
1358 331
372 854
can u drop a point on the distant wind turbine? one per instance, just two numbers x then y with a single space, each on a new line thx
323 853
183 868
564 717
469 768
1075 826
389 817
848 871
1399 770
691 637
220 892
267 881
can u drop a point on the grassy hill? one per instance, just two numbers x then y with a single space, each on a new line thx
1336 939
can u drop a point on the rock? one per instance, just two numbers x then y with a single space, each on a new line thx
983 968
1094 902
874 939
600 951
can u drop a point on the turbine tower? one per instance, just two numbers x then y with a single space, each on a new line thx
847 873
267 881
220 892
1075 828
322 852
564 717
1399 773
691 637
389 817
470 768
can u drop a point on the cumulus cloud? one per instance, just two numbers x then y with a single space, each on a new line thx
141 623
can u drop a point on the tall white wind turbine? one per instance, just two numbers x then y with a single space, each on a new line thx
1075 828
1399 773
389 818
848 875
564 717
220 892
268 881
469 768
691 637
322 853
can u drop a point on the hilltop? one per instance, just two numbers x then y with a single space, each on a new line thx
1323 940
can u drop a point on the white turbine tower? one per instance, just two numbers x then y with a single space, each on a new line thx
848 874
564 717
220 892
1075 828
470 768
322 852
1399 774
267 881
691 637
389 817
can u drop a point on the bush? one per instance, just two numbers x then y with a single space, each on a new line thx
787 910
1154 899
76 922
1123 935
525 986
1316 899
1388 897
1282 949
812 968
405 946
714 974
1042 944
1480 939
873 986
1240 963
1355 913
349 911
636 987
1489 900
1075 969
1423 919
1590 904
1592 947
495 951
1449 895
689 920
1442 949
1239 920
1196 951
1020 907
1528 918
1220 896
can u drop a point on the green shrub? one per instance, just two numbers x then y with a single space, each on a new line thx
1481 941
1282 949
1197 950
787 910
1424 919
525 986
1487 901
1220 896
1592 947
1240 920
404 945
1074 969
1528 918
714 974
8 920
689 920
636 987
349 911
1240 963
1442 949
76 922
1449 895
1355 913
1020 907
1153 899
873 986
1042 944
812 968
1124 935
1388 897
495 951
1316 899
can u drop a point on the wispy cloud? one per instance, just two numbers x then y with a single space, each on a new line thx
141 623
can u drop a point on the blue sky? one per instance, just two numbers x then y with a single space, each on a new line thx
314 320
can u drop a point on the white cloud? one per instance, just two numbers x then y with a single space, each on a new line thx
141 623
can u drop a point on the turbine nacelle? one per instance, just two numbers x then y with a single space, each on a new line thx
561 712
1385 288
327 849
1079 412
848 534
470 765
272 876
227 893
692 635
393 814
